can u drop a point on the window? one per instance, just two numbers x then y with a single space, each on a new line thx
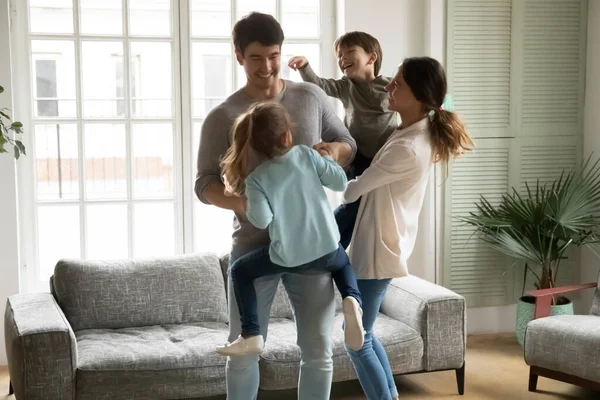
120 89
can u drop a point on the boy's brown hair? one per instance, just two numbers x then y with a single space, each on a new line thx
361 39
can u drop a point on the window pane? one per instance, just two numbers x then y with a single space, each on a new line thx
150 17
154 229
211 18
213 226
211 76
106 231
153 160
300 18
245 7
58 235
151 79
311 51
105 161
103 83
53 63
56 162
51 16
103 17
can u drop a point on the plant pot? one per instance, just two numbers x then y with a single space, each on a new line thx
526 310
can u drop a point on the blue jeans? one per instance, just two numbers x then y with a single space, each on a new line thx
312 298
371 363
257 264
345 214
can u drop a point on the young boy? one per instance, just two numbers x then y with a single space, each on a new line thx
367 117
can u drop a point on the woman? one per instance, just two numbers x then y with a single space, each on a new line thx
393 188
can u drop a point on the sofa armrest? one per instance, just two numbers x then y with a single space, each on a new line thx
40 347
437 313
544 297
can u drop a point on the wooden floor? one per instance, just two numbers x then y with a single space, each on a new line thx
494 370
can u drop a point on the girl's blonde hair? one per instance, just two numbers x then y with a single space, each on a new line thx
427 80
261 129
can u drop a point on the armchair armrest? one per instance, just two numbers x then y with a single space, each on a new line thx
41 348
543 297
437 313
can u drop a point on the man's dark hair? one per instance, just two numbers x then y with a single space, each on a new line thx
256 27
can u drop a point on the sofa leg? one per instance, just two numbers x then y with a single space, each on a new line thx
533 379
460 379
10 388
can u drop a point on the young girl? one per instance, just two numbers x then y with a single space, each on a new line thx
285 193
393 188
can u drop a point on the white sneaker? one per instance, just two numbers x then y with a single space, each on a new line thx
354 334
241 346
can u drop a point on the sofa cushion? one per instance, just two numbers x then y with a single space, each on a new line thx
151 362
151 348
185 383
280 362
143 292
565 343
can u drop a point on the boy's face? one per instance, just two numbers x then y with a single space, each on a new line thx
261 64
356 63
400 94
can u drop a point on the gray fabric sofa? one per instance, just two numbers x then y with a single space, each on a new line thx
147 329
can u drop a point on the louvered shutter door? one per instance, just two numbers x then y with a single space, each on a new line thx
475 270
516 70
552 70
479 47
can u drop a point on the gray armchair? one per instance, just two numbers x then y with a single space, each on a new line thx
564 347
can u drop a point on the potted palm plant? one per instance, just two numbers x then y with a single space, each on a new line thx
6 126
538 227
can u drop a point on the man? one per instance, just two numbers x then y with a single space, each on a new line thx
257 40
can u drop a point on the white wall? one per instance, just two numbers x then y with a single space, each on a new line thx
399 25
9 251
591 141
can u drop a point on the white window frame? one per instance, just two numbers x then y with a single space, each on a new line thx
182 120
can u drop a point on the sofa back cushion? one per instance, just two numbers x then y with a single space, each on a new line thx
130 293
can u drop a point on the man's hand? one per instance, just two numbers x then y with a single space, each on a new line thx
339 151
216 195
297 62
241 205
322 151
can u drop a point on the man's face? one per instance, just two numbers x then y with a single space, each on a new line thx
261 63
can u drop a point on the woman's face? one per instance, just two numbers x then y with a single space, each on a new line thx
400 95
